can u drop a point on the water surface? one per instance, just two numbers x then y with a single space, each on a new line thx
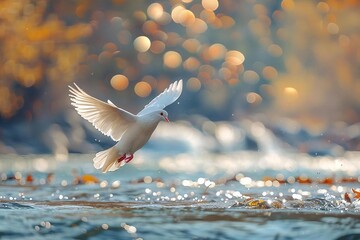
239 195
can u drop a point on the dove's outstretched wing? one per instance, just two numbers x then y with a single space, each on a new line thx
106 117
167 97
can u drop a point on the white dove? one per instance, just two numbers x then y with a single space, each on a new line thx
130 131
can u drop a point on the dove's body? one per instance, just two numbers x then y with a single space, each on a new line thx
133 138
131 131
136 136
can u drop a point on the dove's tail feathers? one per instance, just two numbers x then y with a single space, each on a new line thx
100 158
107 160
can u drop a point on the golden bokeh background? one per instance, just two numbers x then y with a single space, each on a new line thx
283 59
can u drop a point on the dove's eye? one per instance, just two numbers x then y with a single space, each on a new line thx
161 114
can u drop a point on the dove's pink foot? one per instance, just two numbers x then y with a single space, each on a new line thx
128 159
121 158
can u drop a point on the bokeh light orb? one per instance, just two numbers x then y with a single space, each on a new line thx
275 50
217 51
333 28
251 77
270 73
157 47
191 64
155 11
234 57
142 44
193 84
291 91
199 26
186 18
176 13
172 59
119 82
142 89
253 98
210 5
191 45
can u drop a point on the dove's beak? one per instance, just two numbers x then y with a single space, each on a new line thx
167 119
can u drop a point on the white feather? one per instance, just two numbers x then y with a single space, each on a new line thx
167 97
106 117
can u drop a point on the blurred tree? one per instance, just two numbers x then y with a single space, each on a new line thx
35 45
320 81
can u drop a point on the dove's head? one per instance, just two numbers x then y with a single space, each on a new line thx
156 116
163 115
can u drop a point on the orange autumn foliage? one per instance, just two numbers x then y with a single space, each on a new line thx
89 179
357 193
329 181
